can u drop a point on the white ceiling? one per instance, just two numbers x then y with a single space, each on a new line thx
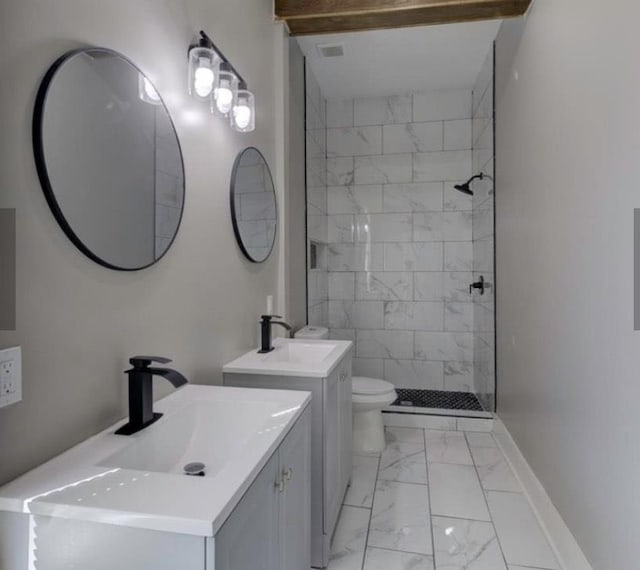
386 62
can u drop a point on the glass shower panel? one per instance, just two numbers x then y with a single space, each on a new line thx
484 237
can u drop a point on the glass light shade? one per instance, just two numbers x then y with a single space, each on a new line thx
225 91
203 63
243 113
147 92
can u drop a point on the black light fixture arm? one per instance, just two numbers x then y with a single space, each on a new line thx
206 40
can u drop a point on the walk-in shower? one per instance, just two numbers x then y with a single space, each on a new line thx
400 217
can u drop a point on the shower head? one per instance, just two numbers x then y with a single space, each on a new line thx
466 187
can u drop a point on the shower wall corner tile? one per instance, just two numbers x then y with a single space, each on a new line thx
354 141
382 110
442 105
413 197
414 137
383 169
384 344
457 134
343 334
368 367
416 374
339 113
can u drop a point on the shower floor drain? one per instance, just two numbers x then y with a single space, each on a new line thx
437 399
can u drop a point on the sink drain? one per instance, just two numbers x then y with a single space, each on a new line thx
195 469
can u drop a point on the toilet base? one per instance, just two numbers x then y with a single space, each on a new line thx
368 432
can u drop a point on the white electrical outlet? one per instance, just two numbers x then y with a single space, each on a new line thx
10 376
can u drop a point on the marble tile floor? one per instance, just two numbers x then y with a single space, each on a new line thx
437 500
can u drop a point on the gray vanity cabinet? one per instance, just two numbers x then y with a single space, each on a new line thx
250 536
337 443
270 527
331 439
295 499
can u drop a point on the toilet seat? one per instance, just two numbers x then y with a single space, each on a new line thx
363 386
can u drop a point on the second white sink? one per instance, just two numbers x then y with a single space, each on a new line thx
292 357
300 352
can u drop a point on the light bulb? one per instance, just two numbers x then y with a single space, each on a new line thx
203 78
224 97
203 66
242 116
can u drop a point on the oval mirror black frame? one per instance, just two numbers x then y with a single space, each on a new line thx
40 158
234 217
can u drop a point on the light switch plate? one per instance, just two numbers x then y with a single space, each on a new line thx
10 376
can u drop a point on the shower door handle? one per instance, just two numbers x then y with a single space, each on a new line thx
481 284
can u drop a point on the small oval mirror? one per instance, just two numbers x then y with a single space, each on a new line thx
253 205
108 159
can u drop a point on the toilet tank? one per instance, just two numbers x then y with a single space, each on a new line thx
310 332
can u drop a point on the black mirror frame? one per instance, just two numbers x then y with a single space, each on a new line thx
41 167
234 220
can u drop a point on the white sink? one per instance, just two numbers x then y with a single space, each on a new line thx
292 357
208 432
138 480
300 352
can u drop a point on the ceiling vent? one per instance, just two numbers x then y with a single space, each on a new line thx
330 50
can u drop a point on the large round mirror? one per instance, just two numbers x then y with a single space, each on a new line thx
108 159
253 205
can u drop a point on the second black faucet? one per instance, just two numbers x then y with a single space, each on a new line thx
265 331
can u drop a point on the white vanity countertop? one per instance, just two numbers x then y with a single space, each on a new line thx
292 357
138 480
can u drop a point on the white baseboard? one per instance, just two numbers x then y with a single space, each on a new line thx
564 545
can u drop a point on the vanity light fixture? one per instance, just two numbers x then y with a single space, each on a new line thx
213 78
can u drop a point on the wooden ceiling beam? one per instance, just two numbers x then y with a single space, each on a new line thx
305 17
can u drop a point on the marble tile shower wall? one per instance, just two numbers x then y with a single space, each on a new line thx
316 152
400 237
483 236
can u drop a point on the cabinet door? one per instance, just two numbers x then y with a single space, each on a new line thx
295 500
249 538
332 452
346 423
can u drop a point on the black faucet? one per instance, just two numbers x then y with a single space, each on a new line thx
141 376
265 331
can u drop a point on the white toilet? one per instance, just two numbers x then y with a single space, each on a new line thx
369 397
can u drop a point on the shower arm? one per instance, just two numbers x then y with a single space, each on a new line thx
476 177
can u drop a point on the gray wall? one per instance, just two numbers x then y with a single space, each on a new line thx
77 322
7 269
568 142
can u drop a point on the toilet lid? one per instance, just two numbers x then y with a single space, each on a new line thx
370 386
